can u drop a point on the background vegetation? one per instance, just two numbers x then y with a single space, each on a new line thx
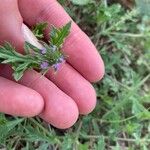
121 120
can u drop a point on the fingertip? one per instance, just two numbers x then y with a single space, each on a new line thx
29 103
35 104
98 73
18 100
88 101
83 55
64 116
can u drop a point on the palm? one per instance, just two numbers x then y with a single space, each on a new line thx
65 94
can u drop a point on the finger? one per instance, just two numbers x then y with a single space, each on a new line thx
74 85
10 23
82 53
19 100
60 110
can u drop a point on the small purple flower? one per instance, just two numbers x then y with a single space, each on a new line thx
43 51
61 59
56 66
54 48
44 65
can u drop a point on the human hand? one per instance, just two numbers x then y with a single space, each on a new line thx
57 98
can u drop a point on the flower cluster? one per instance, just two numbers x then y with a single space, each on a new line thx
45 64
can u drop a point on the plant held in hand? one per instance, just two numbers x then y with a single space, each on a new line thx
49 55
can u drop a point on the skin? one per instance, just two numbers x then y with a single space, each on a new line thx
57 98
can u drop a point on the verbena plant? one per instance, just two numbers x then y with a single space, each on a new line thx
50 55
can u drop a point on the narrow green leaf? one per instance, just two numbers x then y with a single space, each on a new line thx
101 144
11 60
81 2
139 110
30 47
22 66
18 74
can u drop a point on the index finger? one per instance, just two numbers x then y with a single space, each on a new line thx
83 55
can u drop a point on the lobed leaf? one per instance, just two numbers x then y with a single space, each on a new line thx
57 36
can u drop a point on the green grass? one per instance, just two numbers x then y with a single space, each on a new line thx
121 120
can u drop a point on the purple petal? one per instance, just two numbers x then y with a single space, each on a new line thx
56 66
44 65
61 59
43 51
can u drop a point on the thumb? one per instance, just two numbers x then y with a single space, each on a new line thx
10 23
